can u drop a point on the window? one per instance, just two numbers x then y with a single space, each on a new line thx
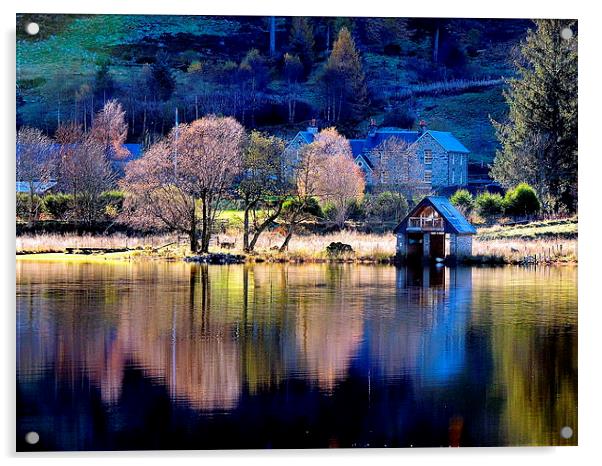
428 157
428 176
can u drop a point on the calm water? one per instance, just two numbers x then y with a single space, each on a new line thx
171 355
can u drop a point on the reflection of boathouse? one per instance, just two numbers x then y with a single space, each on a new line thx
434 229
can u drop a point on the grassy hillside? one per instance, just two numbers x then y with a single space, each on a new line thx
57 69
552 229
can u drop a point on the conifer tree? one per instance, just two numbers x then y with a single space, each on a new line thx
343 78
539 139
301 41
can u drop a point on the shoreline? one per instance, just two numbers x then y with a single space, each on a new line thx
548 242
220 258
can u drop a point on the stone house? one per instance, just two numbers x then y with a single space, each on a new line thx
434 229
435 159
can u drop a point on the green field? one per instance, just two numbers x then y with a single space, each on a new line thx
565 228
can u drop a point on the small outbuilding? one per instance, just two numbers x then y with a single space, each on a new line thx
434 229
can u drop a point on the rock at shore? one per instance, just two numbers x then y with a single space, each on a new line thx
216 258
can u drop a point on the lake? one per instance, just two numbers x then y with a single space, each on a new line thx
157 355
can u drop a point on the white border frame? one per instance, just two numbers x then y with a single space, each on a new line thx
590 167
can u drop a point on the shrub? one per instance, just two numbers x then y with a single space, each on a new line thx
23 205
112 203
312 207
489 204
57 205
522 200
463 201
329 211
388 206
400 116
357 210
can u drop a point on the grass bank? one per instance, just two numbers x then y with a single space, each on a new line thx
538 242
546 229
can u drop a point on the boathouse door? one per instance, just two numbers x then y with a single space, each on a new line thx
437 245
415 246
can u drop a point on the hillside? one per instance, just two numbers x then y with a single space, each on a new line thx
78 61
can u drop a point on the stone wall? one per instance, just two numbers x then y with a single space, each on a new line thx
426 245
447 169
292 153
458 169
439 167
402 244
464 246
460 245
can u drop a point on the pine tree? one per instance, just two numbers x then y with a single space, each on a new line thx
343 78
161 82
104 85
539 140
301 41
293 69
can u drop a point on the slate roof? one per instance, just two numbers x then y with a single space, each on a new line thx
39 187
455 222
377 137
448 141
307 136
134 149
382 134
357 146
366 160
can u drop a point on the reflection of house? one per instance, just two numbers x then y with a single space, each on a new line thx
434 229
442 349
443 159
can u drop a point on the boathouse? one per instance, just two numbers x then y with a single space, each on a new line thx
434 229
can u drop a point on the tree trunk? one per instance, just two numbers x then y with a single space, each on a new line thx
31 212
272 36
436 46
206 234
287 240
193 239
245 234
260 229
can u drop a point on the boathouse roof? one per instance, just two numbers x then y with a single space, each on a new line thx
455 222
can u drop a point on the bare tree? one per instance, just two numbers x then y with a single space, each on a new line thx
35 165
340 182
308 175
86 173
153 197
196 162
398 168
110 128
302 204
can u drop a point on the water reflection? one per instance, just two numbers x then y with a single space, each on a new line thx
156 355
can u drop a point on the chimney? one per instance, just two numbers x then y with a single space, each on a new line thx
372 127
313 127
423 126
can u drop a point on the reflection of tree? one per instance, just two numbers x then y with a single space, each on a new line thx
329 331
427 346
534 350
